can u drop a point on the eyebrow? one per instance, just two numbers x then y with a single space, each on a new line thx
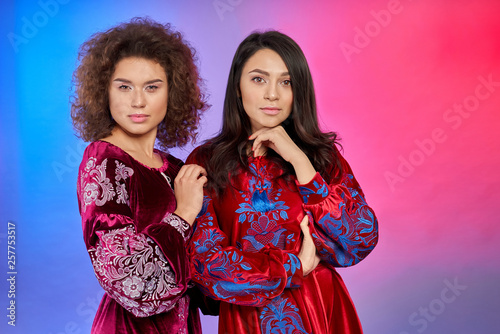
129 82
284 74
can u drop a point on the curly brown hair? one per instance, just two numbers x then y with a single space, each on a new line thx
143 38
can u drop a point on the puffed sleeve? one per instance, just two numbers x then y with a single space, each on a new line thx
142 275
345 228
227 273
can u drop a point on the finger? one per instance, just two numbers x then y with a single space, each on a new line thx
181 172
262 143
255 149
304 222
193 171
261 136
304 226
197 171
256 144
257 133
203 180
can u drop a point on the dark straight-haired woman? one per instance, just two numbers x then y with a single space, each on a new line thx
282 208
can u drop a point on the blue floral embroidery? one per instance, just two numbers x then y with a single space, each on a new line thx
318 190
207 241
352 220
291 266
262 232
227 268
225 263
206 201
262 209
281 317
227 290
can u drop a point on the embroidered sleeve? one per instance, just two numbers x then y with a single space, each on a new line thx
345 228
102 185
179 224
147 272
132 269
227 273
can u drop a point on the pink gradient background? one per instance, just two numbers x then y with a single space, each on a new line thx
438 222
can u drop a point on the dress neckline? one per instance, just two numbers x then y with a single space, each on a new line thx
162 155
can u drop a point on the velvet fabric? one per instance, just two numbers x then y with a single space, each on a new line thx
136 245
245 244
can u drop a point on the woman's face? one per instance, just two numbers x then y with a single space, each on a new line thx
266 90
138 96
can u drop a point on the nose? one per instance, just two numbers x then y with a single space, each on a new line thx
138 99
271 93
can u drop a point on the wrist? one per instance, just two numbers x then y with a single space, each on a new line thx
187 215
304 170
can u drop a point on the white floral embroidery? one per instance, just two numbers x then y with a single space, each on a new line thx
107 187
98 189
179 224
122 172
90 193
133 287
90 164
121 190
134 271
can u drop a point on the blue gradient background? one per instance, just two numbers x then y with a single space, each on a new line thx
438 222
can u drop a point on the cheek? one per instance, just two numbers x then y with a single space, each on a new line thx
163 105
116 100
245 101
289 100
159 106
113 103
247 95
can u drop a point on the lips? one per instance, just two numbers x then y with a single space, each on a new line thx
138 118
270 110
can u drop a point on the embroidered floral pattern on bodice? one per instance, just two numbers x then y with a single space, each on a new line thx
100 189
263 210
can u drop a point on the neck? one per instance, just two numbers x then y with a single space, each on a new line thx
143 144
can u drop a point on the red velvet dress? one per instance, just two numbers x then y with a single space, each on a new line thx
245 244
137 247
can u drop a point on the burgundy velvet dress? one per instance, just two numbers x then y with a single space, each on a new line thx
136 245
245 244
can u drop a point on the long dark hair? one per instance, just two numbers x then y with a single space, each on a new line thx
227 151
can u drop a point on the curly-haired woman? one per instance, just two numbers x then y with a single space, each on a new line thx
137 88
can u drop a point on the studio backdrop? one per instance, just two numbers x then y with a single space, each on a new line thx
411 86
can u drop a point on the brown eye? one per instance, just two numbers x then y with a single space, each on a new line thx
151 88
